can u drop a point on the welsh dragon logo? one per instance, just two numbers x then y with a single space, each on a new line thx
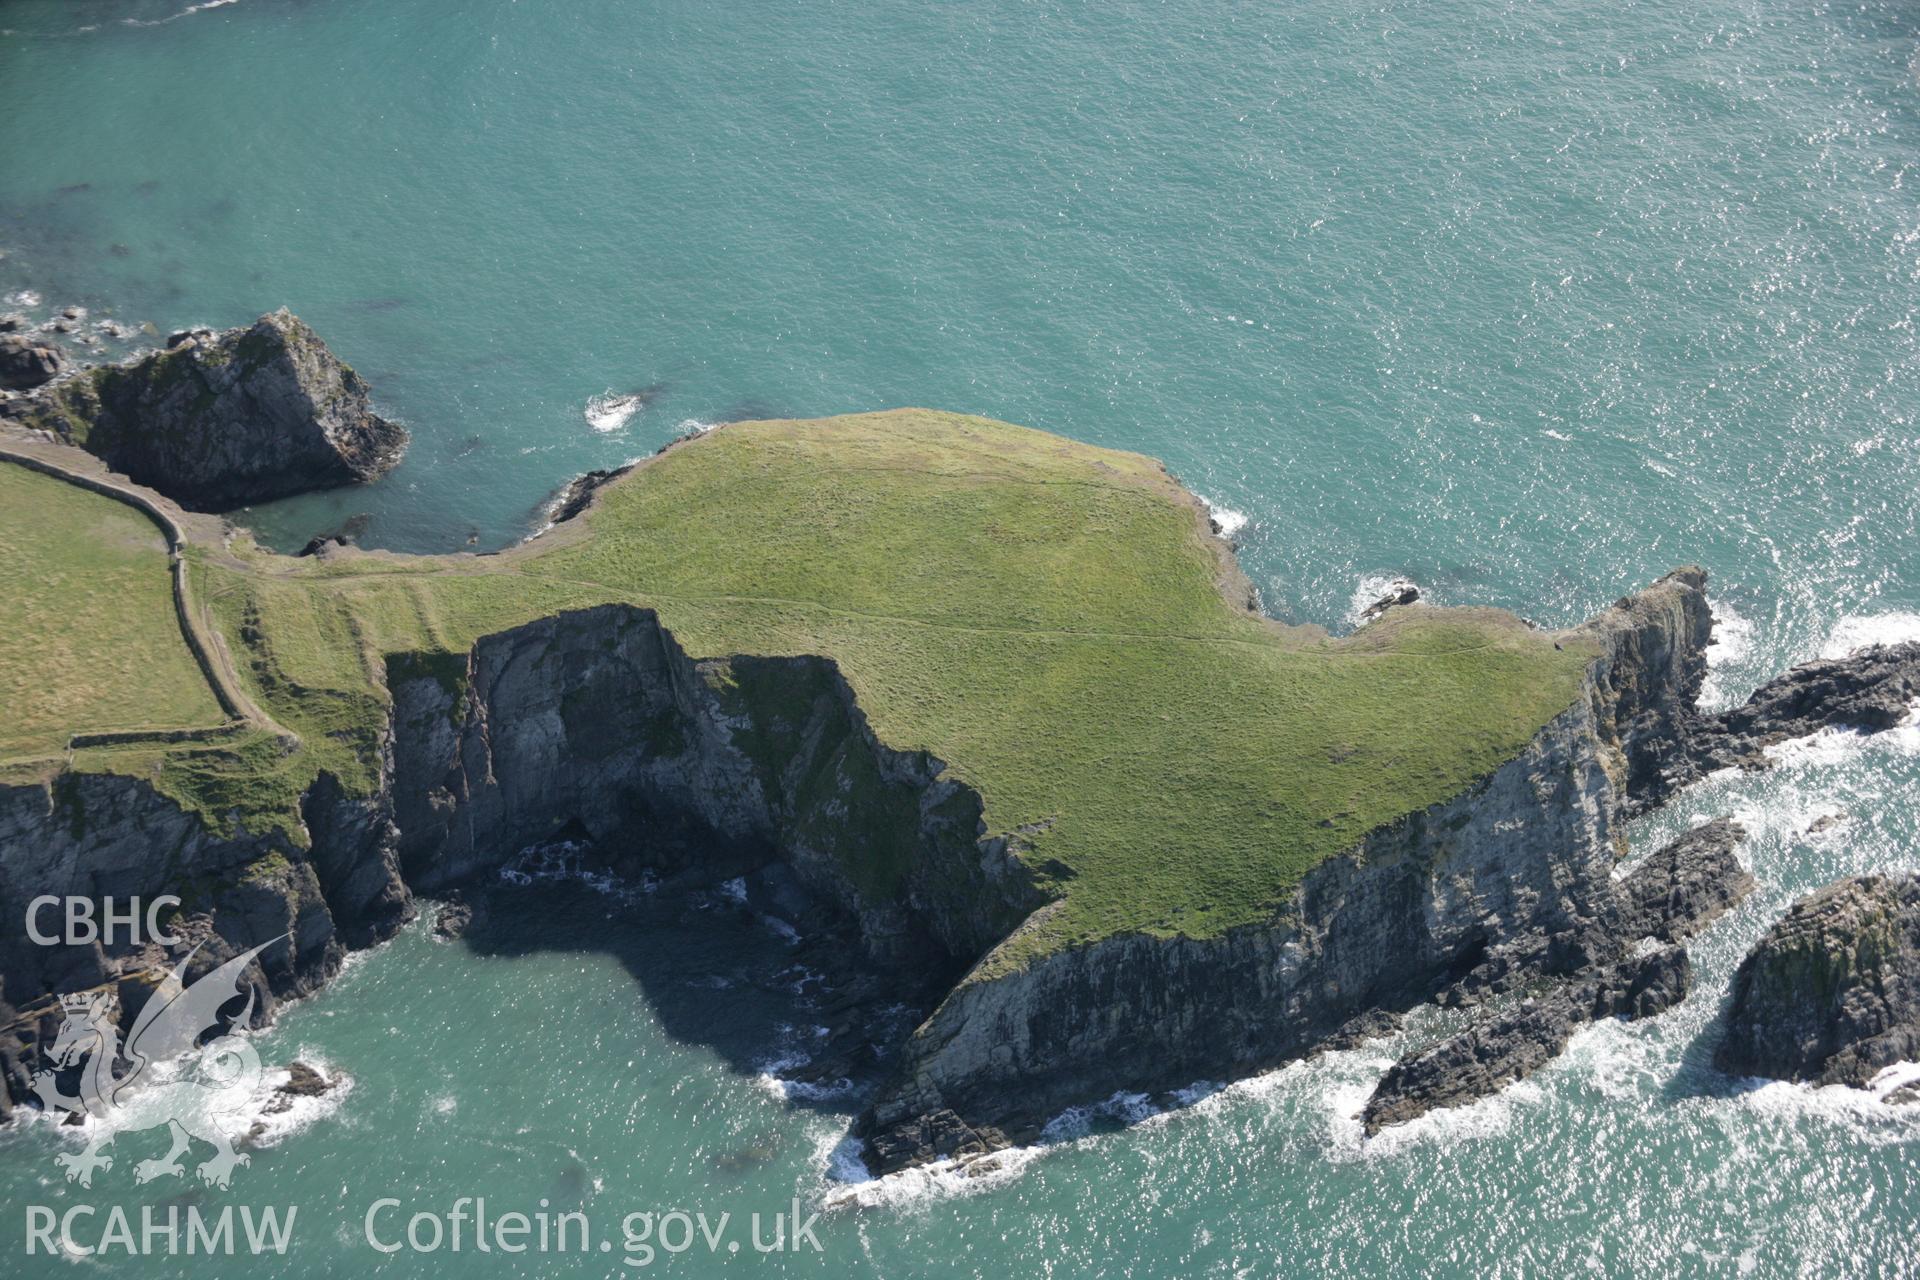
152 1092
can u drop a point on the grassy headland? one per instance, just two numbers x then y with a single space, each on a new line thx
1044 616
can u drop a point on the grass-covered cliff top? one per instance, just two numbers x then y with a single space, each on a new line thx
1046 617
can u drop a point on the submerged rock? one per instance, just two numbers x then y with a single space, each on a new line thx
1512 1045
1831 994
1685 886
25 363
219 421
347 535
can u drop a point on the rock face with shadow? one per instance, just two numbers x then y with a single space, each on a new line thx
1675 892
224 420
100 835
595 725
598 722
1831 993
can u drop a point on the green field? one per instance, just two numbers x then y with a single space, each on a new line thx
87 625
1044 616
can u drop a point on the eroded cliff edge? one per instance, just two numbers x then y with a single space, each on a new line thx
595 722
1514 872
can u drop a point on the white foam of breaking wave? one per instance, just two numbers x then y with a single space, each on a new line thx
1226 519
843 1162
793 1053
694 427
1486 1118
565 861
23 298
610 412
780 928
916 1188
1732 642
265 1117
1371 589
1864 1113
1833 746
1856 632
187 12
1077 1122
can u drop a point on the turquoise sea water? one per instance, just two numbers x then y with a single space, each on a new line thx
1528 302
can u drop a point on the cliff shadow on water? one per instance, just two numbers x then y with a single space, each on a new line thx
771 865
723 969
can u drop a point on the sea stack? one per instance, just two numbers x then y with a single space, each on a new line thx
1831 994
224 420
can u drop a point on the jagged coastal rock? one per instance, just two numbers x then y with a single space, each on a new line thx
223 420
25 363
1870 690
1514 874
1685 885
576 495
1498 1051
1673 894
1831 993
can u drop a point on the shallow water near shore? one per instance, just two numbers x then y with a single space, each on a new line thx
1524 303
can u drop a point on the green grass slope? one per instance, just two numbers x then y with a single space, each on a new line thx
87 631
1044 616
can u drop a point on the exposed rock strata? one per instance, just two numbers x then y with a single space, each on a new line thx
1831 993
597 723
1686 885
732 763
1500 1050
99 835
1673 894
219 421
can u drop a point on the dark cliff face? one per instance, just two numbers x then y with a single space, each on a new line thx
219 421
597 721
1831 993
100 835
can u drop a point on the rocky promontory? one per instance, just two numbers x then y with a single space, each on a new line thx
220 420
965 685
1831 994
1674 893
